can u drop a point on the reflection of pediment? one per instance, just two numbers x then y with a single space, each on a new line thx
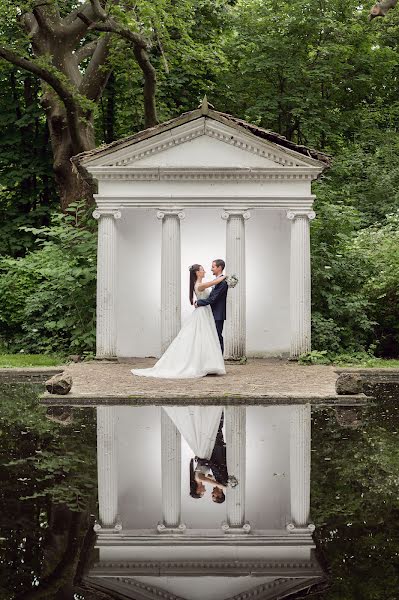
210 588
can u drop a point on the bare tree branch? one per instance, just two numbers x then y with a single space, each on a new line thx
96 76
140 47
77 24
45 16
381 8
29 23
150 81
85 51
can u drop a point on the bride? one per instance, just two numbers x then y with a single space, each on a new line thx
195 351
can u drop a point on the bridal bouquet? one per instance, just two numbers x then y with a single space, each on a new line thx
231 280
232 481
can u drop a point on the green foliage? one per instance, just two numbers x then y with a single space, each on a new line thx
379 247
30 360
26 182
354 496
340 315
49 295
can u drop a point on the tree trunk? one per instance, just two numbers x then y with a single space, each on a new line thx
72 186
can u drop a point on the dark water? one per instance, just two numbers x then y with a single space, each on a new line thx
48 498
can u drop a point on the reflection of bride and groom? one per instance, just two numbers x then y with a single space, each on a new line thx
197 351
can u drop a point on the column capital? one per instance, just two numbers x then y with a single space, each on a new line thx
109 212
236 212
294 213
170 212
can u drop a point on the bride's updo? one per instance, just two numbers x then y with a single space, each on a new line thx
193 278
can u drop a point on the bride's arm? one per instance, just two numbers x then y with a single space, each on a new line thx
208 284
208 479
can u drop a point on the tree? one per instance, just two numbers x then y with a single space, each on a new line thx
69 53
381 8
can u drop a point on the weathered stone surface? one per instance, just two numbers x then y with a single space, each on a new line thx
59 384
75 357
260 381
349 383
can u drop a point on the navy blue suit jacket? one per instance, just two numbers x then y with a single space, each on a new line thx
217 300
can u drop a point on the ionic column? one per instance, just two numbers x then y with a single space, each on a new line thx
300 282
300 458
171 475
107 468
235 419
235 347
106 282
170 275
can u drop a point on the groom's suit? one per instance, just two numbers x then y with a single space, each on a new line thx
217 462
217 301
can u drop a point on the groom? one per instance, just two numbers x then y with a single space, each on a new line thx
217 299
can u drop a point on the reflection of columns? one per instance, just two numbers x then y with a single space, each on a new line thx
107 469
106 282
300 281
300 457
171 475
170 275
235 419
235 261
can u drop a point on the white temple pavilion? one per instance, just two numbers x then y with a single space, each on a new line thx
204 185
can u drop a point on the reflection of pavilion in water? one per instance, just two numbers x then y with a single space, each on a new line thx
155 541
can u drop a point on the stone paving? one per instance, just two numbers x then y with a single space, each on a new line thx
274 380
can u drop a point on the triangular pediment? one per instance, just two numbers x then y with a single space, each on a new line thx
198 143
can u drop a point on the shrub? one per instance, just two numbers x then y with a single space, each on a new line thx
48 296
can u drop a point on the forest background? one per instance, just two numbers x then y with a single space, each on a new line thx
316 71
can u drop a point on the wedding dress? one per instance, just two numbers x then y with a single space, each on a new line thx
198 425
194 352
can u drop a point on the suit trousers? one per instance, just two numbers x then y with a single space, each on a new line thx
219 329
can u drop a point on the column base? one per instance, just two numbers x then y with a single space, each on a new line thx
110 358
242 360
292 528
162 528
232 529
116 528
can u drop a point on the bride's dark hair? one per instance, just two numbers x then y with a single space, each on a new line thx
193 483
193 278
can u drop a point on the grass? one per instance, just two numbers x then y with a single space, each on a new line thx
376 363
355 359
30 360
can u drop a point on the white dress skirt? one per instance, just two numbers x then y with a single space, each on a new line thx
195 351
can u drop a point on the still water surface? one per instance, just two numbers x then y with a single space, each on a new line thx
48 498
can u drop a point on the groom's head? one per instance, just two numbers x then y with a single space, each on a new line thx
218 267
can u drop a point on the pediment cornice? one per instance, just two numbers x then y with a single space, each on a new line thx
107 173
132 153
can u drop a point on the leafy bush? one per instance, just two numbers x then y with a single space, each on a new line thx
48 296
341 316
378 245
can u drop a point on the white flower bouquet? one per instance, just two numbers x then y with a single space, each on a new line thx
231 280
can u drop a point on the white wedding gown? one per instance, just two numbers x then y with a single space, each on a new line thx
198 425
194 352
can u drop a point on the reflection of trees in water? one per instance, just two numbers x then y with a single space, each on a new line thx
47 497
355 497
48 536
